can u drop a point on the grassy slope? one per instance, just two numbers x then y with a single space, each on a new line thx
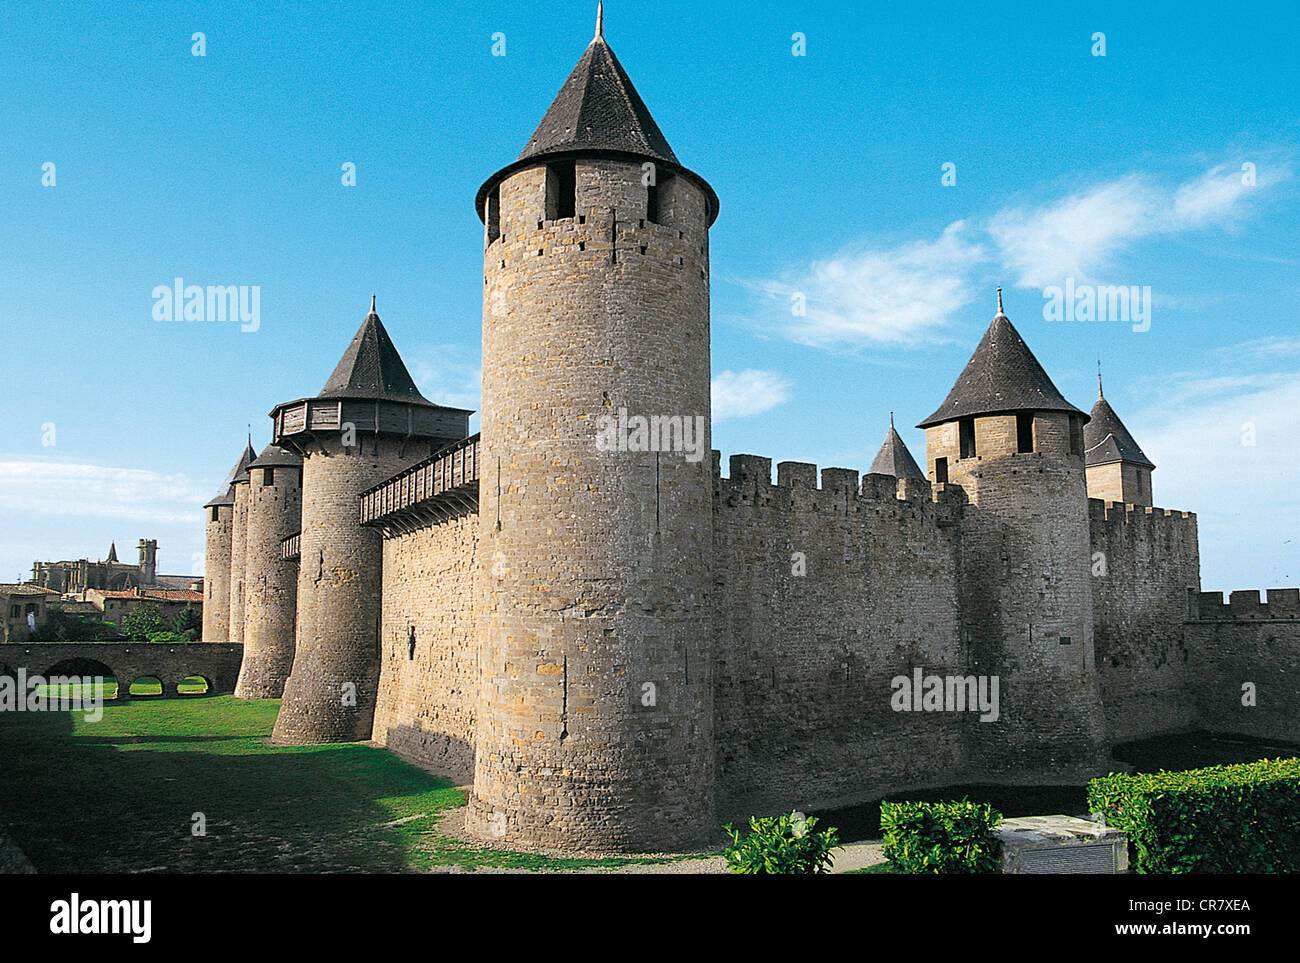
119 795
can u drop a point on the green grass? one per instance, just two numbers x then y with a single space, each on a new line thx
119 795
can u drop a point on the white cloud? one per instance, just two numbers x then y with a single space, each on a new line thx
749 392
447 374
96 491
871 295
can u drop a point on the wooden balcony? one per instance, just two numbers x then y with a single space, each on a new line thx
442 486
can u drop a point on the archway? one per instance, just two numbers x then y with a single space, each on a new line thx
194 685
82 669
146 687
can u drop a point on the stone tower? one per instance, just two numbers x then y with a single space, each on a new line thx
1118 471
270 580
893 458
1015 445
239 547
148 551
368 423
594 726
217 550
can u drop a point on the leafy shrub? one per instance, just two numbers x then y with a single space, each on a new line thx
189 623
940 837
781 844
167 637
1242 818
142 621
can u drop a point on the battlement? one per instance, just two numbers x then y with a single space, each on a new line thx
840 489
1117 514
1245 604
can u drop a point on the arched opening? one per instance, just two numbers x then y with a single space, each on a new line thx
194 685
74 678
147 686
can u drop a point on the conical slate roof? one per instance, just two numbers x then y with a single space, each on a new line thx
371 368
598 108
273 456
894 458
226 496
1106 440
1001 376
597 113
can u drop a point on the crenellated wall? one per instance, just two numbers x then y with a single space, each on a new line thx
1246 640
803 662
1144 562
428 672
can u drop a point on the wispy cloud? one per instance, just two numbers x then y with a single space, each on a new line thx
863 294
749 392
905 294
447 374
96 491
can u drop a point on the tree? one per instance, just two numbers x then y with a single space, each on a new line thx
141 620
189 623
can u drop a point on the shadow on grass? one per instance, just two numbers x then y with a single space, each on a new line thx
109 802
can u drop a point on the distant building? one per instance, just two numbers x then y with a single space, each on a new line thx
76 576
24 608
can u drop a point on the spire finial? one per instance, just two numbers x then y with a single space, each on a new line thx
891 421
372 304
600 20
1000 303
1099 394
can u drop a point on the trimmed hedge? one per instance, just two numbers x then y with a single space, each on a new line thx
1225 819
780 845
940 837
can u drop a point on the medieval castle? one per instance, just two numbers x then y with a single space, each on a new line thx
622 648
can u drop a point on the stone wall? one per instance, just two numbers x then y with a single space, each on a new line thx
428 673
1144 563
803 662
238 561
1246 640
130 661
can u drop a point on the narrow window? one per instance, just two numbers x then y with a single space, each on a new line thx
14 611
1025 431
967 428
410 642
941 471
565 181
214 513
268 476
652 203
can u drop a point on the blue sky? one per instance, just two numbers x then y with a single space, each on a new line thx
1125 169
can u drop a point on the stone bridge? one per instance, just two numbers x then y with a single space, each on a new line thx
128 662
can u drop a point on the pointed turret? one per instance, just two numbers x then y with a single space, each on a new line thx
597 113
1118 469
1002 376
112 553
894 458
372 368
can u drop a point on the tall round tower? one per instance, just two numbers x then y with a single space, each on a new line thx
216 561
594 728
270 579
368 423
239 547
1007 436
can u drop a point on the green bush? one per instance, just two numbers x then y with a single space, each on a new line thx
781 844
169 638
940 837
142 621
1225 819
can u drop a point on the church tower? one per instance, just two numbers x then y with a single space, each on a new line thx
594 727
218 547
270 579
1118 471
1015 445
367 424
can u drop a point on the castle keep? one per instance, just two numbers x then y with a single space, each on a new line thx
622 647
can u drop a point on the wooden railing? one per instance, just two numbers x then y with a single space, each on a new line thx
291 546
451 469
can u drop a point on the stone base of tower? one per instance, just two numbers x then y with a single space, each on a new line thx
264 672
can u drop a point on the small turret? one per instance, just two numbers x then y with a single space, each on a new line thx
218 522
894 458
1118 470
239 544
